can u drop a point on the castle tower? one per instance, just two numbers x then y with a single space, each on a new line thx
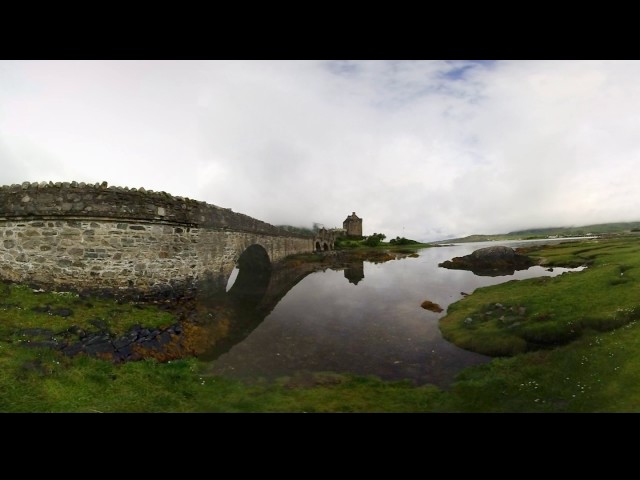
353 225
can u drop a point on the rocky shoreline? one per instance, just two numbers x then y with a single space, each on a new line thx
136 344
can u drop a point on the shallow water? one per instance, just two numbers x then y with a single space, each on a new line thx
365 320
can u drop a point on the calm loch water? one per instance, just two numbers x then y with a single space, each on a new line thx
365 319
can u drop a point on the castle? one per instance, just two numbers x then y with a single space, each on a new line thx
353 225
325 239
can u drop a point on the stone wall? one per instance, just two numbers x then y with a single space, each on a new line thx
94 237
97 254
73 199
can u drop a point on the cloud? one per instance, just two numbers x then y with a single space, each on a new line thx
425 149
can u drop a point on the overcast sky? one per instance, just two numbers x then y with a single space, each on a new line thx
422 149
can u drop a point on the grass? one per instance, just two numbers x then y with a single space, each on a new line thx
597 373
546 312
41 380
574 349
22 307
580 332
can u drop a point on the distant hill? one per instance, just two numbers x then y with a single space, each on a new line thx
535 233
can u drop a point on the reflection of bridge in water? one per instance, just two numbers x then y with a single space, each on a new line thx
229 318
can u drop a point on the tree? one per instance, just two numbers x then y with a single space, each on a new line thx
375 239
401 241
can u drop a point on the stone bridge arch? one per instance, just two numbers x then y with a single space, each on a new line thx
252 279
222 251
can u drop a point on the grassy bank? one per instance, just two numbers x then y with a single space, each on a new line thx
599 372
41 381
579 331
546 312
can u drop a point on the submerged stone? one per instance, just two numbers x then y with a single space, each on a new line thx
429 305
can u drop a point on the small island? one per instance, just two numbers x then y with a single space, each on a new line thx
491 261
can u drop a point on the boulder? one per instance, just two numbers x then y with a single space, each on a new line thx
492 254
429 305
491 261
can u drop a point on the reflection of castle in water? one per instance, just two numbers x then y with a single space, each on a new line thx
354 272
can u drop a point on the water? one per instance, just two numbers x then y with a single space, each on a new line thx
364 320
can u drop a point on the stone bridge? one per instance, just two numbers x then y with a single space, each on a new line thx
95 237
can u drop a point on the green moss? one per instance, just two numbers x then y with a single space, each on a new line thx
21 307
40 380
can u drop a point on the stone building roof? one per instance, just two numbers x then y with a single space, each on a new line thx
353 216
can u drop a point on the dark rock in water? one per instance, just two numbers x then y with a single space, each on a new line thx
429 305
60 312
97 348
34 366
152 344
123 354
96 339
35 332
76 330
99 324
45 309
74 349
121 343
164 338
135 344
47 344
494 253
491 261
